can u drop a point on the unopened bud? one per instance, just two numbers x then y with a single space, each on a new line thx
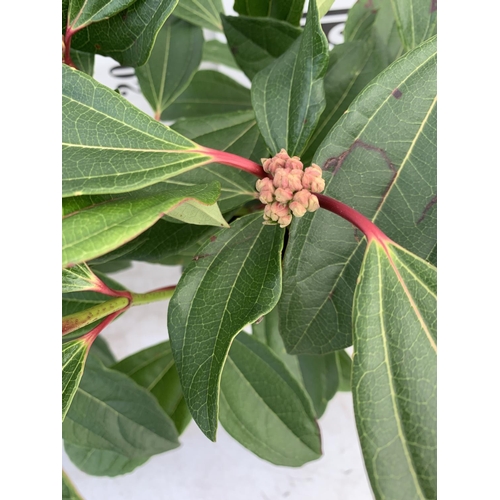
294 163
295 179
285 220
297 208
312 179
266 190
313 203
283 195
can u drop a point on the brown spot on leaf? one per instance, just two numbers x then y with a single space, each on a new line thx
97 46
427 208
213 238
397 93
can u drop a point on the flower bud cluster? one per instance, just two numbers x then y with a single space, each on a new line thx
290 189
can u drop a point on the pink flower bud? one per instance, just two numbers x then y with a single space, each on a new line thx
312 179
280 209
266 163
313 203
302 197
282 155
283 195
297 209
294 163
280 178
266 189
285 220
295 179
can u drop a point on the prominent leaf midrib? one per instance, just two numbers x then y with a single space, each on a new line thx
165 66
131 127
175 203
341 274
395 405
163 372
208 17
135 150
116 412
252 389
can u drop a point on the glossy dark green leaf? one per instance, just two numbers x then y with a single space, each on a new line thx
236 133
218 53
84 61
394 372
351 67
318 375
285 10
100 349
154 369
81 13
204 13
97 159
264 407
174 59
416 20
128 36
68 490
74 354
380 158
114 425
288 95
257 42
234 280
100 228
209 93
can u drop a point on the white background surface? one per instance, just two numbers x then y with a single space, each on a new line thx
224 470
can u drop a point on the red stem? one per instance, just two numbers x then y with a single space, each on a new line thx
67 47
92 335
371 231
234 161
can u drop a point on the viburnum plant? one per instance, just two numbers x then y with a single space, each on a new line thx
304 207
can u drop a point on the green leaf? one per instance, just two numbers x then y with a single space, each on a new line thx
386 31
68 490
128 36
360 21
236 133
318 375
204 13
97 159
380 158
81 13
288 95
218 53
264 408
74 354
416 20
210 92
174 59
285 10
83 61
100 349
235 280
394 372
344 363
78 278
323 6
256 42
154 369
202 215
352 66
114 425
100 228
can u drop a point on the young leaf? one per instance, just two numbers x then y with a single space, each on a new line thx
416 20
285 10
351 67
128 36
100 228
154 369
264 408
235 279
257 42
380 158
68 490
174 59
204 13
210 92
288 95
78 279
394 372
114 425
74 354
218 53
96 161
236 133
81 13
